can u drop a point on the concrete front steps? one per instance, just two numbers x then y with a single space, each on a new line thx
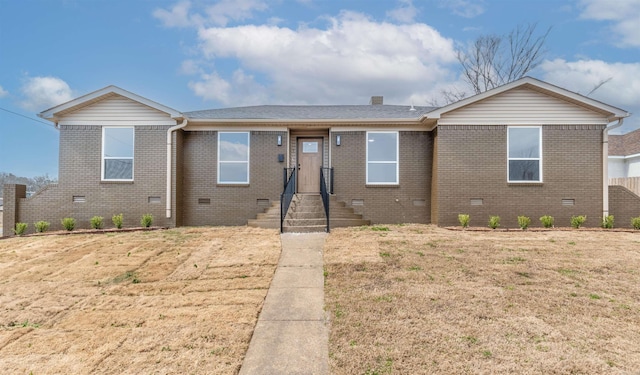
306 214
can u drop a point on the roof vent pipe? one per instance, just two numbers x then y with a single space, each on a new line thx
376 100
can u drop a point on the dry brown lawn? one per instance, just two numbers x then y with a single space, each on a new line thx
174 301
418 299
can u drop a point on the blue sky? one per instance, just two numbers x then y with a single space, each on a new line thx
198 54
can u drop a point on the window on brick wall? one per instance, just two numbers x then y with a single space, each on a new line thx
233 157
524 148
382 158
117 153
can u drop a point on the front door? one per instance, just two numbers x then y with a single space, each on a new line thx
309 164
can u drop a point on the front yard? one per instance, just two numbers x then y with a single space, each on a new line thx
176 301
418 299
408 299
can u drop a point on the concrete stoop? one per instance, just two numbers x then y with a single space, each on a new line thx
306 215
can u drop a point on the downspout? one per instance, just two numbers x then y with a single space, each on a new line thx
605 166
169 157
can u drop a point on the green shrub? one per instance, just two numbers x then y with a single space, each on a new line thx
117 220
464 220
147 220
547 221
41 226
607 222
20 229
69 223
635 222
577 221
524 222
494 222
97 222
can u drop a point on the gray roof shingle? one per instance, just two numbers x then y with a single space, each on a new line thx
312 112
623 145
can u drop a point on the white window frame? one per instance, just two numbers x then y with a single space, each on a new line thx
538 159
396 162
132 158
248 162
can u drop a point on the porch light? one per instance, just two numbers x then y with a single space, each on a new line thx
337 140
279 140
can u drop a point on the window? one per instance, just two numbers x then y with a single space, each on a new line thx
524 147
117 154
233 158
382 158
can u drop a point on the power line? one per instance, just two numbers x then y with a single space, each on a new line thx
27 117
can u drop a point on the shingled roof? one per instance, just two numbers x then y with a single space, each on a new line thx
313 112
626 144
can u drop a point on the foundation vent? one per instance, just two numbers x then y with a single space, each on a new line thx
568 202
204 201
153 199
357 202
79 199
476 202
419 202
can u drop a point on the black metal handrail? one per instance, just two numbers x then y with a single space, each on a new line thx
324 191
287 194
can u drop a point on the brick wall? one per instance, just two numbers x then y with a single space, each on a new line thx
472 163
229 204
409 202
79 175
623 205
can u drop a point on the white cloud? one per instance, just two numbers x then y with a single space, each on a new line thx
3 92
178 16
464 8
405 13
624 14
348 61
234 10
240 89
219 14
190 67
41 93
622 90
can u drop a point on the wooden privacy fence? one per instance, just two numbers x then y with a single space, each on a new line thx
631 183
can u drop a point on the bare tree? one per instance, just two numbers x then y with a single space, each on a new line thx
33 184
448 96
599 84
494 60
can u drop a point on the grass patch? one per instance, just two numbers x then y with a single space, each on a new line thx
174 317
377 228
507 302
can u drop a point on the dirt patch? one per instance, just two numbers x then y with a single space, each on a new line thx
172 301
418 299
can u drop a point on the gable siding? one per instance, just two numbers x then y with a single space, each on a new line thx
522 106
116 108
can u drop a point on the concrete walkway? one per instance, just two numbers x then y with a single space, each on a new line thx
291 336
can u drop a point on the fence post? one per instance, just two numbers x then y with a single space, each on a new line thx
11 198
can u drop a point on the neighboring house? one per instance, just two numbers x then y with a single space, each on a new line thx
525 148
624 155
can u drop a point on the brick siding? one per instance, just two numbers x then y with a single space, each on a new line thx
385 204
229 204
472 163
79 175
